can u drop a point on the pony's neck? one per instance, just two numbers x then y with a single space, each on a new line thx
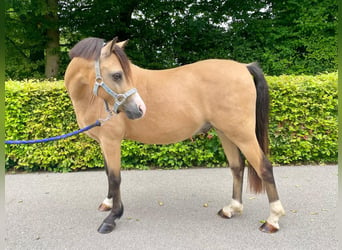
141 77
80 91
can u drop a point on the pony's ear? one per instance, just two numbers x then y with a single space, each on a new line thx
122 44
108 47
114 41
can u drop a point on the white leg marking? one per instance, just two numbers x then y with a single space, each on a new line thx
277 211
108 202
233 208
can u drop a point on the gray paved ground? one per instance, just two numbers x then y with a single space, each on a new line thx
59 211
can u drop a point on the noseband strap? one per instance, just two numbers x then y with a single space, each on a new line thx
118 98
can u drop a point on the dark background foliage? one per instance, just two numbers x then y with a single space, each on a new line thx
286 37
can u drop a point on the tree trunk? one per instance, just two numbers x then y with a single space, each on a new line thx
52 47
52 54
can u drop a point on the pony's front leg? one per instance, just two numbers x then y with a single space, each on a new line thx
112 155
107 203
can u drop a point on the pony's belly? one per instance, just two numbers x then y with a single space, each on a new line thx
160 138
159 135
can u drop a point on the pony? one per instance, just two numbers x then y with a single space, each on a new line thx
171 105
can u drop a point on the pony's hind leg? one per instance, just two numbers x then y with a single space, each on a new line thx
276 209
264 170
237 167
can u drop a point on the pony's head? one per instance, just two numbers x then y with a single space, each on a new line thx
113 79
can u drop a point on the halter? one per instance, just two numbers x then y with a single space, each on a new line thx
119 98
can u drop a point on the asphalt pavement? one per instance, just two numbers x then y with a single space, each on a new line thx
169 209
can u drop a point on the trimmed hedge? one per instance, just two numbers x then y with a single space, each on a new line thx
303 129
303 119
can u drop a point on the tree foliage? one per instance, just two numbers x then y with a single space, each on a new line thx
286 37
25 38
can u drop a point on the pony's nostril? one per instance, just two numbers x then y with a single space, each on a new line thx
141 109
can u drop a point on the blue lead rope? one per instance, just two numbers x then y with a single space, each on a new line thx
95 124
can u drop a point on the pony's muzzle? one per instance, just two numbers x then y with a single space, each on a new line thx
134 107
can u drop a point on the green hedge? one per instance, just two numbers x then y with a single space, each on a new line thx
303 119
303 129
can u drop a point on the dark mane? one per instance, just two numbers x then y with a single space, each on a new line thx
88 48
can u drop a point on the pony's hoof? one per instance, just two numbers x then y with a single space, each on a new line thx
106 228
268 228
104 208
223 215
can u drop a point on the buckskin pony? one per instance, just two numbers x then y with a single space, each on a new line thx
168 106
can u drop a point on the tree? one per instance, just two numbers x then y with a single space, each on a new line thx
52 35
98 18
286 37
25 39
32 38
289 37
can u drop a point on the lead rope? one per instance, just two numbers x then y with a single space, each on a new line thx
98 123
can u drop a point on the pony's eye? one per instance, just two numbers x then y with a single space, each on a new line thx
117 76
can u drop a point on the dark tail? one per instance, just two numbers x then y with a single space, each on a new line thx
261 128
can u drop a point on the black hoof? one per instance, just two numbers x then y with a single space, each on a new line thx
106 228
268 228
222 215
